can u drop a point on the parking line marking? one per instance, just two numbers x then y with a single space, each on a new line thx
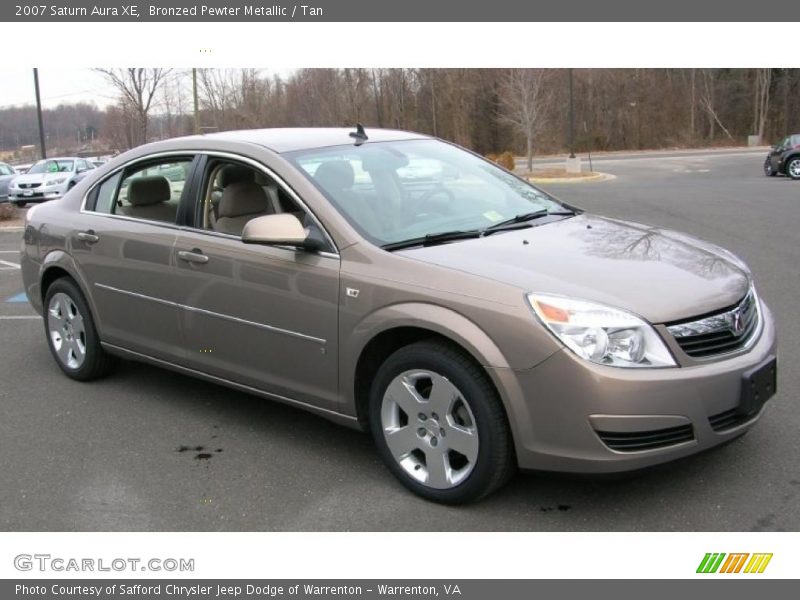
9 264
9 251
18 317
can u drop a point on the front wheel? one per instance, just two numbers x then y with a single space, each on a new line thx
71 333
793 168
20 204
439 424
768 170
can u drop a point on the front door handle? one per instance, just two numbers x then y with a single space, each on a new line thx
195 256
88 236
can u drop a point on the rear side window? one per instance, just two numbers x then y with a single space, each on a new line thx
150 193
106 193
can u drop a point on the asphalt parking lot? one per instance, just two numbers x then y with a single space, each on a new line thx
147 449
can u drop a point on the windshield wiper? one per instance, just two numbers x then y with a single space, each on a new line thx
433 239
518 221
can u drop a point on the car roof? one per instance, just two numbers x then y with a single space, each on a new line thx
289 139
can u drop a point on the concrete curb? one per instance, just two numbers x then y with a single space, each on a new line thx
10 229
590 178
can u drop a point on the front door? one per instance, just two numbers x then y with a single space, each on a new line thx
262 316
266 317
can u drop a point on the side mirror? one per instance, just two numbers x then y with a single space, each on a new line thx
283 229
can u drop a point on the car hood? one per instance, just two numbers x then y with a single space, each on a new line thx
659 274
39 177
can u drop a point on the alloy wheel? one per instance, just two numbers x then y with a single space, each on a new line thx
429 428
793 168
67 331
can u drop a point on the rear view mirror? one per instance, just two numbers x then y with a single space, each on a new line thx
283 229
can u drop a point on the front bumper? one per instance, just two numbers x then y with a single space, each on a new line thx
39 194
557 408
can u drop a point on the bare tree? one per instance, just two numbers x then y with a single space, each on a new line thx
707 96
137 87
524 98
763 78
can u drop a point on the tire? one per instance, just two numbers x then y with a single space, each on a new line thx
793 168
768 170
71 333
20 204
452 443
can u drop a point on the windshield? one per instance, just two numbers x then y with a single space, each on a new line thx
6 170
396 191
51 166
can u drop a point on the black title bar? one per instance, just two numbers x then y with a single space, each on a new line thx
405 11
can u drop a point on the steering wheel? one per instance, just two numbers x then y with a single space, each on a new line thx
437 207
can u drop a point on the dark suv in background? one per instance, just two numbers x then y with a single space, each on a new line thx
784 158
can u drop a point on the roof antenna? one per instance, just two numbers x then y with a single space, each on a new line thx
359 135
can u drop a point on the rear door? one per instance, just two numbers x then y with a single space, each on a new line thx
125 252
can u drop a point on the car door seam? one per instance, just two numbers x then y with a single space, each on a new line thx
215 314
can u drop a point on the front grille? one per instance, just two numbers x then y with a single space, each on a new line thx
632 441
720 333
26 186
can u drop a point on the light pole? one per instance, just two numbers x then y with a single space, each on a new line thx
39 112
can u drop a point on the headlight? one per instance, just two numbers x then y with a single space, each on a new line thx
58 181
601 334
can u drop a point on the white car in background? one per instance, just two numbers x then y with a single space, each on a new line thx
48 179
7 174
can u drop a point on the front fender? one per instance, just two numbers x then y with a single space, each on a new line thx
438 319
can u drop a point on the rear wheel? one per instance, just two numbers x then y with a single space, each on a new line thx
439 424
21 204
71 333
793 167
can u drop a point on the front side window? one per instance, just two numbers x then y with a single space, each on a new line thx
150 192
235 193
396 191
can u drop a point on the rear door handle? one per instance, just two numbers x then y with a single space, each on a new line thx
88 236
195 256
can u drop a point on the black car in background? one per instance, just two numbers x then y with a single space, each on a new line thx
784 158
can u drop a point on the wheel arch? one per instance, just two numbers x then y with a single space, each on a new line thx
57 264
789 159
394 327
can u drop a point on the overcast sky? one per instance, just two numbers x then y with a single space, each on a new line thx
70 85
57 86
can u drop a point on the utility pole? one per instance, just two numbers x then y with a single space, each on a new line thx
196 109
39 112
571 118
573 163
